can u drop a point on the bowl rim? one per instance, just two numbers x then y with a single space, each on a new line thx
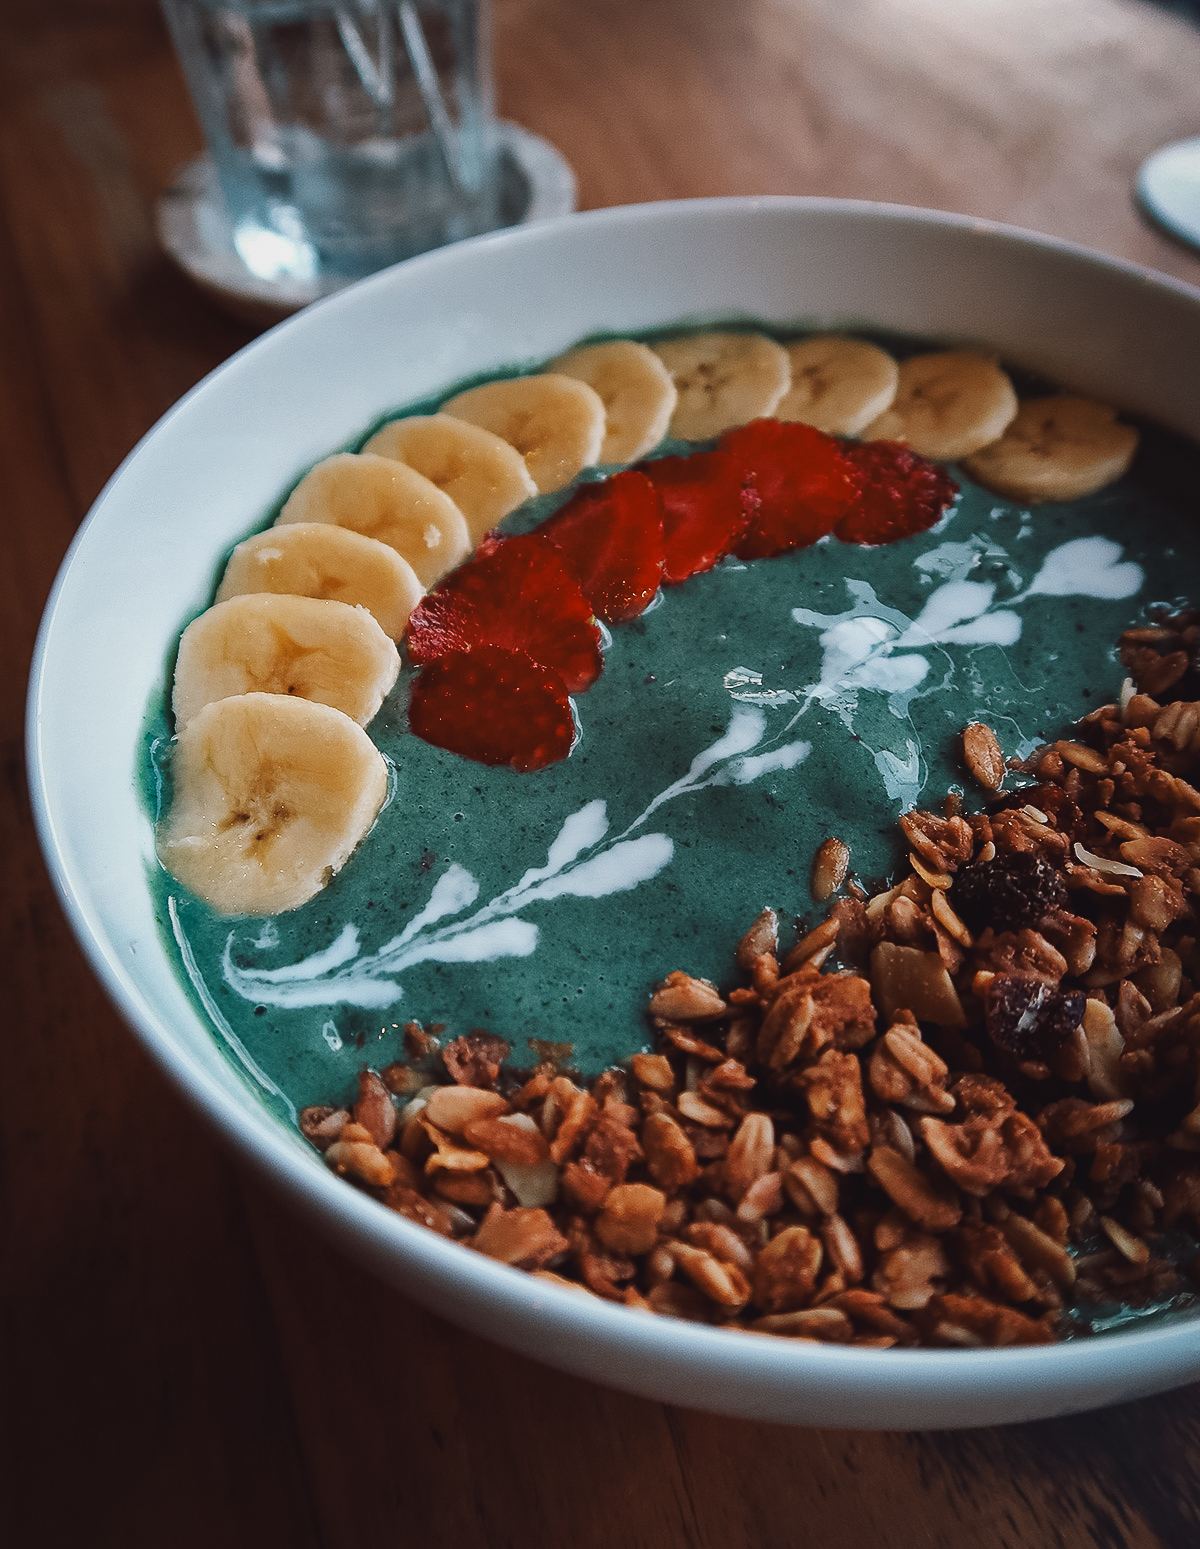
1165 1355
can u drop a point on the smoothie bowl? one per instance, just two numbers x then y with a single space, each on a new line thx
749 737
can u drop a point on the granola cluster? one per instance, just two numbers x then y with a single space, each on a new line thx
952 1114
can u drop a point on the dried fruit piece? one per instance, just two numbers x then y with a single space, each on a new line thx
901 493
611 536
1008 892
707 502
1029 1018
495 706
804 480
518 594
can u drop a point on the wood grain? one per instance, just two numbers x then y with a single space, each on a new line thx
1036 112
183 1364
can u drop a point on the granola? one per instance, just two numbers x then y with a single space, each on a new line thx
956 1114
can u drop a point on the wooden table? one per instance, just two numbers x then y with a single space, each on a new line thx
182 1363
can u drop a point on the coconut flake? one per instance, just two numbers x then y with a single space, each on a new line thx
1099 863
533 1183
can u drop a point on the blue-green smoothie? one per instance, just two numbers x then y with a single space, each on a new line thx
748 715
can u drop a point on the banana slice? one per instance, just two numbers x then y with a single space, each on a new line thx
386 500
316 559
723 380
265 643
636 389
838 385
484 476
271 797
947 405
555 422
1056 449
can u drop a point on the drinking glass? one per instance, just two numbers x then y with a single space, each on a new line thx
346 134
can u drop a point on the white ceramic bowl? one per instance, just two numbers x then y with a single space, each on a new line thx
146 556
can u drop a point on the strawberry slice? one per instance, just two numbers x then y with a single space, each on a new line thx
805 483
901 493
611 535
516 593
707 500
495 706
